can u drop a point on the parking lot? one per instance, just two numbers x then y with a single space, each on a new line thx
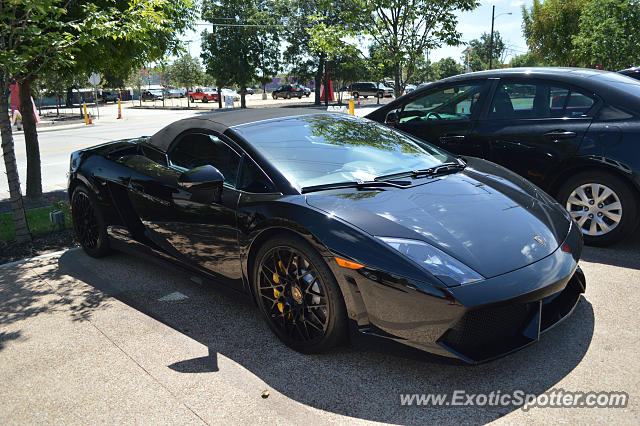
120 339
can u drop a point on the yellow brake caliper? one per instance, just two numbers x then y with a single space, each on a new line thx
276 279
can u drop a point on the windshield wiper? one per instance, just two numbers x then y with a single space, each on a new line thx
441 169
355 184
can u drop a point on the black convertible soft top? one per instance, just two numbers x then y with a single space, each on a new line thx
221 121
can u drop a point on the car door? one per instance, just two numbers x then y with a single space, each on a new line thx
532 126
188 224
445 116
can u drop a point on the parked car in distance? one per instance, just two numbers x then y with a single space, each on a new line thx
633 72
573 132
107 96
247 91
409 88
369 88
305 90
152 95
174 93
287 91
230 93
205 95
336 226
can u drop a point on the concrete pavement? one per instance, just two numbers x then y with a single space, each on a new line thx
120 340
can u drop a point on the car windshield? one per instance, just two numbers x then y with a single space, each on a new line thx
322 149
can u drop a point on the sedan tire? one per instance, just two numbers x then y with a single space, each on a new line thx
603 205
298 295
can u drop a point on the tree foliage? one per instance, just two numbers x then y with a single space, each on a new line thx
241 47
608 34
446 67
186 72
549 27
405 29
481 51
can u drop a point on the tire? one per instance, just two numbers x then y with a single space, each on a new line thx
380 95
355 95
191 99
288 96
299 96
285 306
365 96
204 100
602 224
274 96
88 223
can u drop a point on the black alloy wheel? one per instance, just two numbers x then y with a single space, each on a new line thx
298 295
88 223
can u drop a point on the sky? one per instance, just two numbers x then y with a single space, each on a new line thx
470 24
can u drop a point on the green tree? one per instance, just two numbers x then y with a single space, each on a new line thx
186 72
549 27
233 51
446 67
405 29
33 34
528 59
608 34
105 37
482 51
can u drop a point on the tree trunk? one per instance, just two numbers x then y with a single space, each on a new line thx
319 73
396 74
57 105
219 97
11 166
243 101
69 100
34 177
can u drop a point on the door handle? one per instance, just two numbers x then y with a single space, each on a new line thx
556 135
454 138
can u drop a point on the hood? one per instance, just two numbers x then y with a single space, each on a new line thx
485 216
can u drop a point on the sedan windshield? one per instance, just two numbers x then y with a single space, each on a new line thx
323 149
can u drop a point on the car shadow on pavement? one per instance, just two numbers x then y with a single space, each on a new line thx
625 254
351 381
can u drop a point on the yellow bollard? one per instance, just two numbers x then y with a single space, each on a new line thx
86 118
351 106
119 109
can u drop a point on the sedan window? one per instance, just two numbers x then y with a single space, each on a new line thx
538 100
197 149
448 103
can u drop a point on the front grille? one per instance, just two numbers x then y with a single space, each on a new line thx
559 305
482 334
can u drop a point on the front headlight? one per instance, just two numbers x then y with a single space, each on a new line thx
450 271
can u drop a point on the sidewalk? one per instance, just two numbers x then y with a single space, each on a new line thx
120 340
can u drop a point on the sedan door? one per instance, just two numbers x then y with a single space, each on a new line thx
190 224
445 116
531 127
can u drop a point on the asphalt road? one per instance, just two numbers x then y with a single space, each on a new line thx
58 142
121 340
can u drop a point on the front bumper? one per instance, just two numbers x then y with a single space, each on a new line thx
476 322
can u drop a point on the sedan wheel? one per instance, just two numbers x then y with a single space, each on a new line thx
602 206
298 295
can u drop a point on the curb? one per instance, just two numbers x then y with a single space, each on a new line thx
53 128
42 256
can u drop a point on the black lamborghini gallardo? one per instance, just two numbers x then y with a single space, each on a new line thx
338 226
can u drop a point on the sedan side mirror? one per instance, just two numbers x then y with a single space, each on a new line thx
204 182
392 118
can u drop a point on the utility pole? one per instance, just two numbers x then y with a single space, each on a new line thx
493 13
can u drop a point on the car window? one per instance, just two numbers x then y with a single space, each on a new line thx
198 149
538 100
253 179
444 103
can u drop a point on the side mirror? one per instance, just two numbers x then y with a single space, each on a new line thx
392 118
204 182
